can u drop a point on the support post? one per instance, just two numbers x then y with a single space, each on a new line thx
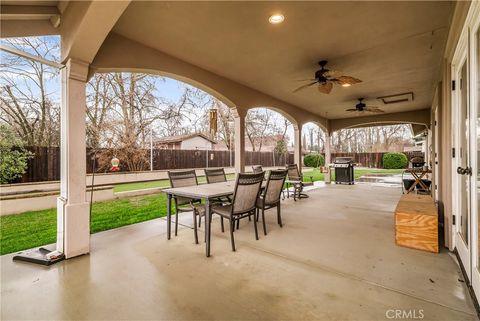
297 142
239 141
328 158
73 215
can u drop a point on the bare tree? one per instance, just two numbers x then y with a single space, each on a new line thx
27 88
372 139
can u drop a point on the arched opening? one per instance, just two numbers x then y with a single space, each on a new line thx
269 137
370 146
136 117
373 137
313 138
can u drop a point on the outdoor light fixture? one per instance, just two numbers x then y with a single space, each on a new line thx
276 19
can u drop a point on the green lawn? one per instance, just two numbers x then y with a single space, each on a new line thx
152 184
31 229
317 176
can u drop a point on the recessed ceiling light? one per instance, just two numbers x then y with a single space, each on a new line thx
276 19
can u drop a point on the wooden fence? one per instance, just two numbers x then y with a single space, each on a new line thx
45 165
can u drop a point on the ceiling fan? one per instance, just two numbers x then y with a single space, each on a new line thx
362 107
325 78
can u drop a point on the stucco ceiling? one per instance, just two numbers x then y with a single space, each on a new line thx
394 47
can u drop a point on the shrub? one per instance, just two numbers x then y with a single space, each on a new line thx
13 155
394 160
313 160
281 147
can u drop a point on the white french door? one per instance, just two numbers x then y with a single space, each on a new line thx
474 52
462 163
466 139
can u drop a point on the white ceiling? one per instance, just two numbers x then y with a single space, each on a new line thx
393 47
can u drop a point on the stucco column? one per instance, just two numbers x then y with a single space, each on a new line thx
239 120
73 219
297 142
328 157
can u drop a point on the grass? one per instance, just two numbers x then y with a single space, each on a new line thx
31 229
161 183
317 176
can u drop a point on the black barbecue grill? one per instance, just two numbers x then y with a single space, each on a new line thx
344 170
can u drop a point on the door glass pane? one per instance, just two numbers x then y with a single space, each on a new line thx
463 152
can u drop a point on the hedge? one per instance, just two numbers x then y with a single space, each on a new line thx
394 160
313 160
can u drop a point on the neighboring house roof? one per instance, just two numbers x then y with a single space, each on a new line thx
181 138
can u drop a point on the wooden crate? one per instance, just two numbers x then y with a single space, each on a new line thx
416 223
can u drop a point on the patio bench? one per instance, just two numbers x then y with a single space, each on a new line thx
416 223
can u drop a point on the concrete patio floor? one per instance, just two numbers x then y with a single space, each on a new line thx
334 259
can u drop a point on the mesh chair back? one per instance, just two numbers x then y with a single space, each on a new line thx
293 173
216 175
257 169
182 179
274 186
247 190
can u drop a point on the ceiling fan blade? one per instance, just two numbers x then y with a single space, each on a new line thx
325 88
309 79
332 73
374 110
347 80
305 86
352 109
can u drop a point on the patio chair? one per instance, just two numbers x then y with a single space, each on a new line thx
182 179
270 196
257 169
247 190
295 179
216 175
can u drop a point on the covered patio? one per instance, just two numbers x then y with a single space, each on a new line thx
335 258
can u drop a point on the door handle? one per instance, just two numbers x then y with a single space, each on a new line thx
468 171
464 171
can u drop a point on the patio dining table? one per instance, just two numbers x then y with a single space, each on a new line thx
206 192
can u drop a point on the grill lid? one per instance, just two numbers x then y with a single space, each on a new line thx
343 160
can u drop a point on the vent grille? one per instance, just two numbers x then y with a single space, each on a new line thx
397 98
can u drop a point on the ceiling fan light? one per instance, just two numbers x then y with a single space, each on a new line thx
276 19
346 85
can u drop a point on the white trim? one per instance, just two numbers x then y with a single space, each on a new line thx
467 51
459 60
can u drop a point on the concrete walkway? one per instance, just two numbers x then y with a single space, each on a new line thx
334 259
